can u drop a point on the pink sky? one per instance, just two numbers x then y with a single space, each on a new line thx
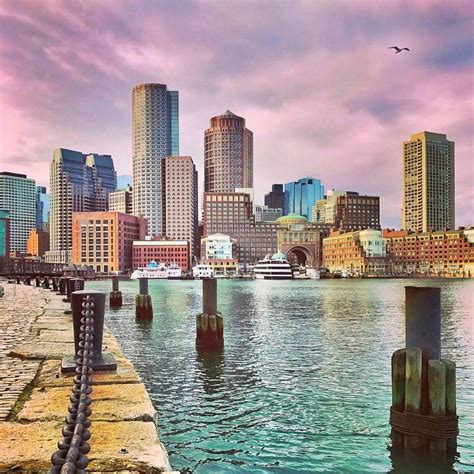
314 80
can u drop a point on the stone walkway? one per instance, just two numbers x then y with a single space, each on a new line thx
16 374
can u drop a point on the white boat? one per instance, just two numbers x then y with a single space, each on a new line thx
152 271
313 273
174 272
203 271
275 267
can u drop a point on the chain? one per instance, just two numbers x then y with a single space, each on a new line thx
71 454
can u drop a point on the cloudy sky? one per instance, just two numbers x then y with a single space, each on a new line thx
314 80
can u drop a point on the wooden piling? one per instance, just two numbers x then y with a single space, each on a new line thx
413 374
450 382
209 324
437 397
398 389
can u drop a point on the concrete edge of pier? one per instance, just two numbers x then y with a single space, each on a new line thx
124 423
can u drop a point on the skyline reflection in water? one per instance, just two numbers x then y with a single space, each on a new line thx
303 383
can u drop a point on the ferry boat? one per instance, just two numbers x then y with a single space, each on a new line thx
174 272
275 267
203 271
152 271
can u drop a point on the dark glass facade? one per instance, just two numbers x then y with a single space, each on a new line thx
275 199
301 196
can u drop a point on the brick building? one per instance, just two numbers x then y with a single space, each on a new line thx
104 240
37 243
161 251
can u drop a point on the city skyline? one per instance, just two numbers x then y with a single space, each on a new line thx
309 98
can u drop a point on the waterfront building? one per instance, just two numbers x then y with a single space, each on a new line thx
121 201
161 251
275 199
347 211
42 208
4 233
440 253
78 183
228 154
37 243
218 254
356 253
155 134
18 197
301 196
428 183
231 214
104 240
181 200
299 240
267 214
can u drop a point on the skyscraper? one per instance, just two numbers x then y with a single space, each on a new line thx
228 154
18 197
301 196
275 199
78 183
42 208
181 200
155 134
428 182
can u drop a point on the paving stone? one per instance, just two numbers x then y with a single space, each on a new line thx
114 402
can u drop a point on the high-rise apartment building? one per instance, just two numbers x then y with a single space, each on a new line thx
4 233
121 201
275 199
347 211
231 214
181 200
228 154
78 183
155 134
18 197
42 208
428 183
301 196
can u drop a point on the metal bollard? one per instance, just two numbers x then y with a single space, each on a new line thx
37 282
55 284
73 284
100 361
63 285
46 283
423 320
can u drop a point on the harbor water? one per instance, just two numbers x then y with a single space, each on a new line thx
303 383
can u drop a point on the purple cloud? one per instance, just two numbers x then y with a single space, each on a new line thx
315 82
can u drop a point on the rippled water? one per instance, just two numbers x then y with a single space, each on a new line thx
303 384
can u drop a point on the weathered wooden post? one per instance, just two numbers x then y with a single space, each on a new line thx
423 412
115 297
143 304
209 324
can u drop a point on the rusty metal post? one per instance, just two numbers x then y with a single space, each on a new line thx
100 361
423 320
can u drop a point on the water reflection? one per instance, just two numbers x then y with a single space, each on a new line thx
210 367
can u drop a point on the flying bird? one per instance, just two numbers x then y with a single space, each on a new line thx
398 50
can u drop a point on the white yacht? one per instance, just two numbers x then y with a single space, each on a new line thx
313 274
174 272
203 271
152 271
275 267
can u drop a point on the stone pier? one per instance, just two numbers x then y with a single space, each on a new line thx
34 396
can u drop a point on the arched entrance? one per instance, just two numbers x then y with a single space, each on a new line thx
300 255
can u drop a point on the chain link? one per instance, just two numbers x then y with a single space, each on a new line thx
71 454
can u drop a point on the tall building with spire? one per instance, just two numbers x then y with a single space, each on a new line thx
428 183
155 135
78 183
228 154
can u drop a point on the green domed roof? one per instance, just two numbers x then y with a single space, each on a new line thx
292 217
279 256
